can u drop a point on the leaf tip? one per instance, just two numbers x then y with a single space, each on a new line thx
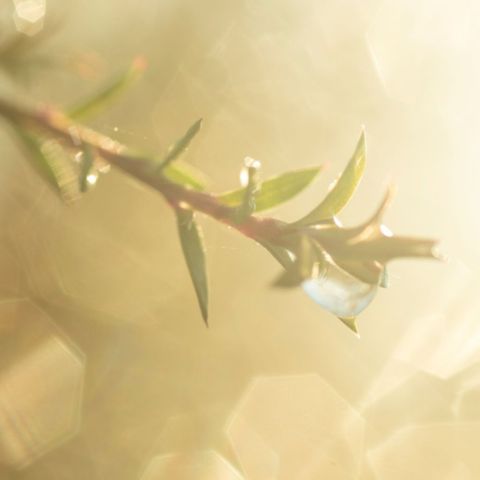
317 170
361 150
384 281
194 253
351 323
139 64
385 204
362 132
438 254
205 316
196 126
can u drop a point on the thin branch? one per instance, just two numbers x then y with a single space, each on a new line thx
57 124
310 249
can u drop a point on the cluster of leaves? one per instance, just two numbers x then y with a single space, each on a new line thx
341 268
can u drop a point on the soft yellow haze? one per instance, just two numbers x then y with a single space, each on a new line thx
106 368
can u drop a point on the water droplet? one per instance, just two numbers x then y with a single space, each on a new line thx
103 167
386 231
92 178
249 163
252 163
337 222
109 144
340 293
244 177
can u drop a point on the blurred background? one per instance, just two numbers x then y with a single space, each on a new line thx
106 368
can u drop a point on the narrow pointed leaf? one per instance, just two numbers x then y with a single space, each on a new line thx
275 190
37 159
280 254
185 175
52 163
374 227
181 145
351 323
342 191
107 94
63 168
384 249
194 253
308 262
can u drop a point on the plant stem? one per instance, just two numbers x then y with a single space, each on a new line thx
55 123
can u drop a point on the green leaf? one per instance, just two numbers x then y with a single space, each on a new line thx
37 159
275 190
367 272
181 144
308 263
194 253
184 175
385 249
279 253
351 323
342 191
52 163
107 94
63 168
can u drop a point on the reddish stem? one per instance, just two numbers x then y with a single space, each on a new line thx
57 124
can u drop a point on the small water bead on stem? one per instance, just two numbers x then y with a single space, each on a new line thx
249 179
250 166
355 257
385 231
92 178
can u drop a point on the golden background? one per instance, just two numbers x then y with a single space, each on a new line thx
106 368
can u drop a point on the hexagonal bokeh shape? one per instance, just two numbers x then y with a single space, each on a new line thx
64 262
29 15
454 309
297 427
466 405
207 465
444 451
41 382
